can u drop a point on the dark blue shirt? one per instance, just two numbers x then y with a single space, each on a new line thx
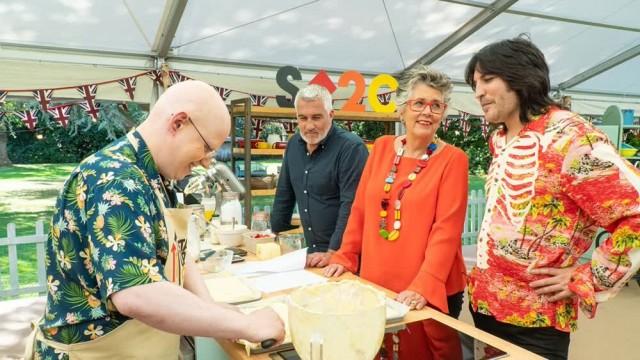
323 184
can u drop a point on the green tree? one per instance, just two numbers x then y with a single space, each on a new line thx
368 130
6 127
474 143
51 143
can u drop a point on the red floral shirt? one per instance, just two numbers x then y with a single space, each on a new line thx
548 191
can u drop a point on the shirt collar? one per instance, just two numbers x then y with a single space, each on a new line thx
143 158
537 123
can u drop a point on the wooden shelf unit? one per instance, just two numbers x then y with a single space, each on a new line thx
263 192
243 108
268 152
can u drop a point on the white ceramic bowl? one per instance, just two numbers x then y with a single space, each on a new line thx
231 236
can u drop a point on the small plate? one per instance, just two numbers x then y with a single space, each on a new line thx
395 311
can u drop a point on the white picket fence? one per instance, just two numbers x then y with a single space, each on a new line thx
12 242
475 212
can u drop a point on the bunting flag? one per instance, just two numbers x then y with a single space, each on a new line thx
465 125
129 85
60 114
44 98
257 124
258 100
385 98
176 77
290 127
29 118
445 124
156 76
484 126
90 106
3 97
224 93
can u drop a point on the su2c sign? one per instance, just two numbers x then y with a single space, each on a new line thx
348 77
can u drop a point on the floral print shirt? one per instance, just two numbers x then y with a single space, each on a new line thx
107 234
548 191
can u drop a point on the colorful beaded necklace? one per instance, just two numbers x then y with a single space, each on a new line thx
384 204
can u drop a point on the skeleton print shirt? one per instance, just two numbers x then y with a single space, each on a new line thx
549 190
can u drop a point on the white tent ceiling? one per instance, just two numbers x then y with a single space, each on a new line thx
592 46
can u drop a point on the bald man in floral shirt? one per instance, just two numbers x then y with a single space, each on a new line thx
119 283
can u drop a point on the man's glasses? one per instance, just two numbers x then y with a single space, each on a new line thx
206 144
418 105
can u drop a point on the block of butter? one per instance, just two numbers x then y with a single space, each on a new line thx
267 251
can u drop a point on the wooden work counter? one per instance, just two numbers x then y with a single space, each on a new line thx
237 351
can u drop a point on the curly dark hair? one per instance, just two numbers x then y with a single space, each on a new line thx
522 66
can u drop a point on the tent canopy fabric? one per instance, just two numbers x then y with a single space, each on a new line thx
592 46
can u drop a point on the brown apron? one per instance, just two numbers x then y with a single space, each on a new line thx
133 339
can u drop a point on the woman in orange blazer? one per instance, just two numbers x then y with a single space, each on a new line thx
404 230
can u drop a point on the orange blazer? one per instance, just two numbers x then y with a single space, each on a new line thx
427 257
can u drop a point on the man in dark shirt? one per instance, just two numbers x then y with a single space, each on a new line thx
320 171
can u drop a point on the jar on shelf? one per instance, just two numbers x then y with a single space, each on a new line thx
196 228
260 221
230 209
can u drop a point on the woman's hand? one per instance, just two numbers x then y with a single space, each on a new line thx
412 299
334 270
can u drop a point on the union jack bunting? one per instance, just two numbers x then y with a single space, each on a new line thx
484 126
43 97
29 118
445 123
465 125
258 100
156 76
129 85
384 98
257 125
3 97
290 127
60 114
176 77
224 93
89 105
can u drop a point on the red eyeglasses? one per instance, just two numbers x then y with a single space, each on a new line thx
418 105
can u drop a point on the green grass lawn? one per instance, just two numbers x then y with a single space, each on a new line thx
28 193
476 182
